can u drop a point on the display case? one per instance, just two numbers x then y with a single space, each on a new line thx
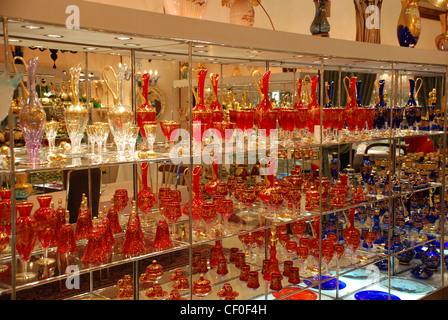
253 164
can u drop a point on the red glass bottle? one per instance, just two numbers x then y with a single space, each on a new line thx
211 185
104 225
217 253
46 222
351 110
272 266
146 112
112 215
203 113
26 236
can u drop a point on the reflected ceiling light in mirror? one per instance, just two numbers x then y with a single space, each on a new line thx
200 51
199 46
123 38
131 44
31 27
54 36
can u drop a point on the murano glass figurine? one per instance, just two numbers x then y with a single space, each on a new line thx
133 242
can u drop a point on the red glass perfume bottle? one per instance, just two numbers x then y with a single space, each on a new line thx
46 221
272 266
104 224
26 236
84 222
134 239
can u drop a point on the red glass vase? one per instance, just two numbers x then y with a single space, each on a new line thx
204 115
60 213
351 110
313 106
265 115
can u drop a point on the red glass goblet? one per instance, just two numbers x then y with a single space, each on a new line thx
26 236
46 222
208 214
339 250
173 211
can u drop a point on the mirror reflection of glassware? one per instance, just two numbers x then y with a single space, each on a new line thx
91 138
131 139
120 115
102 130
51 131
76 115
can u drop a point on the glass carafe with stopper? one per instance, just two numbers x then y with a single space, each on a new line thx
120 115
76 115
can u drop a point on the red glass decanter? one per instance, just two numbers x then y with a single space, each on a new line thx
272 266
215 106
313 106
5 210
26 236
265 115
211 185
146 112
201 112
46 221
351 110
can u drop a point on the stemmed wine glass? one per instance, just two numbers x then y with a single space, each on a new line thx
101 133
131 138
150 129
275 201
327 255
302 254
369 239
51 130
26 236
208 213
248 197
91 137
291 248
169 127
339 250
226 210
173 211
299 228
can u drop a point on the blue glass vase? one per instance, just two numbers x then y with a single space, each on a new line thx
431 257
320 25
377 229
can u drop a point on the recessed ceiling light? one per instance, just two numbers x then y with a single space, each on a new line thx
298 56
131 44
253 51
90 48
14 40
159 55
200 46
252 56
123 38
211 59
31 27
201 51
53 36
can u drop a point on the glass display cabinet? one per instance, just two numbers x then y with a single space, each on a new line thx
159 163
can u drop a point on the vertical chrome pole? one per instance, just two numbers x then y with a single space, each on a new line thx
190 171
11 172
